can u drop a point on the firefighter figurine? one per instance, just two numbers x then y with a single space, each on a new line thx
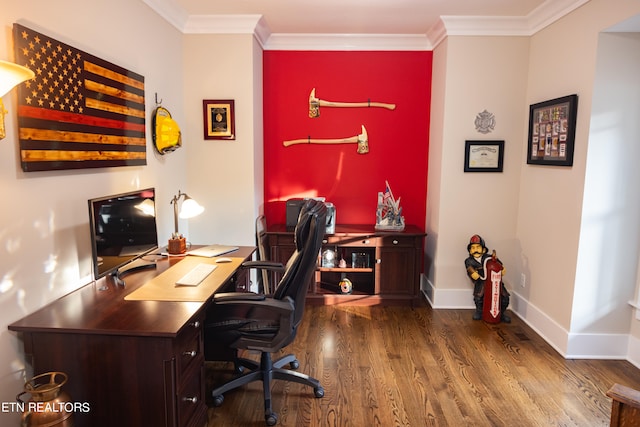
486 271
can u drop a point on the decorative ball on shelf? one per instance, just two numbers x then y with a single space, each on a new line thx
346 287
329 258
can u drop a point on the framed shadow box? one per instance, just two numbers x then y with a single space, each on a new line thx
552 131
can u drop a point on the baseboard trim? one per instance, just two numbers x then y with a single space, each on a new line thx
569 345
633 355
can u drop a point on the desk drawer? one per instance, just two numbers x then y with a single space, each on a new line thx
351 241
188 349
190 398
391 241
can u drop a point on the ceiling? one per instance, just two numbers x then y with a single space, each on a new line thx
364 17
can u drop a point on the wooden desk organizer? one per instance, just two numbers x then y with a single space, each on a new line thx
177 246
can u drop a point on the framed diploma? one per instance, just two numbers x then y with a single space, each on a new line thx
483 156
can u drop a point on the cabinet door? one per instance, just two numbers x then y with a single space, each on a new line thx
280 253
280 250
398 270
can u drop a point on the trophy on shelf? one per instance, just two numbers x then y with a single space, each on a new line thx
389 213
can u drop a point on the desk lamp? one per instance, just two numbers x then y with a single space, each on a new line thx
190 208
10 76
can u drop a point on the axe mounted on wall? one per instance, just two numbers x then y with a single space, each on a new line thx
316 103
362 140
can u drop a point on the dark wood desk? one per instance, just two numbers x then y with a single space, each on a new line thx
136 363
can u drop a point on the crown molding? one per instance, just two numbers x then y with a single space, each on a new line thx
282 41
228 24
541 17
171 12
485 25
437 33
221 24
549 12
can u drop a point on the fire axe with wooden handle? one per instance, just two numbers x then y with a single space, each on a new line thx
362 140
316 103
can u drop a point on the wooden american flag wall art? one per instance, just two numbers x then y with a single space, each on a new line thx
79 111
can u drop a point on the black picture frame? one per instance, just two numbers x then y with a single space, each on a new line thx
552 131
483 156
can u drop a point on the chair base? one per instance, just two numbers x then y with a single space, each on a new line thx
266 371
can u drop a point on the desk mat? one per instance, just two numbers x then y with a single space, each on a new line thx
163 287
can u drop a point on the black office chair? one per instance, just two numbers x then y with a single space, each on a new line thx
269 323
263 279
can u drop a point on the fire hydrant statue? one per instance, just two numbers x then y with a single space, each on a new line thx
489 293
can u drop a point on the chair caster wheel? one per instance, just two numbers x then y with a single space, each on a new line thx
294 364
271 419
239 369
217 400
318 392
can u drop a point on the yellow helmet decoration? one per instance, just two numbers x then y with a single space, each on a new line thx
166 132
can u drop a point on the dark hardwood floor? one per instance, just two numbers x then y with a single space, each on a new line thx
398 366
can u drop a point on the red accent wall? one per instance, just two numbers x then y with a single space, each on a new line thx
398 139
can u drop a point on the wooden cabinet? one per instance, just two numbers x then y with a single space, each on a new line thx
389 274
127 380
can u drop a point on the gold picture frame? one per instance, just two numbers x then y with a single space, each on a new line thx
219 119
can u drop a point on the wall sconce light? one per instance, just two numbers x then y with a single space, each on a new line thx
11 75
190 208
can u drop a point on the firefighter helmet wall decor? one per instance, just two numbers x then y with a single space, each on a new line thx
166 132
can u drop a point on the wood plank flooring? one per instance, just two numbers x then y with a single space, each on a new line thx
398 366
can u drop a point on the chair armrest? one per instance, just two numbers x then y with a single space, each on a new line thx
250 300
237 297
263 265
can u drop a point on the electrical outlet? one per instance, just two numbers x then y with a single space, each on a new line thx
523 280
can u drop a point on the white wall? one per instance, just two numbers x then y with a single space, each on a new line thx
473 74
434 178
537 220
44 231
224 176
608 253
556 194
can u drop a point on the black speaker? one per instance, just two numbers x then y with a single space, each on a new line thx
293 211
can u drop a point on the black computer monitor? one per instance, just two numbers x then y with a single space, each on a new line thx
123 229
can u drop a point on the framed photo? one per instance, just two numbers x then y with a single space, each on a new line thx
219 119
483 156
552 131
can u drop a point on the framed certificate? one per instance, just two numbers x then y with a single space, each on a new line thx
483 156
219 119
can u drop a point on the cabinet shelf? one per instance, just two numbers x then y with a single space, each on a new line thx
393 257
345 270
324 291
